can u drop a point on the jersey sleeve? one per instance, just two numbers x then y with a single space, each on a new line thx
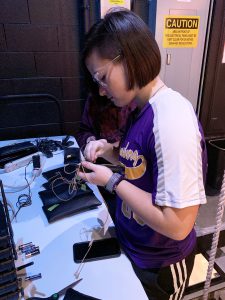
178 168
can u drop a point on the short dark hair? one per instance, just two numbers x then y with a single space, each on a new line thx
123 32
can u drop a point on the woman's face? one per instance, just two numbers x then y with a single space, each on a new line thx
111 78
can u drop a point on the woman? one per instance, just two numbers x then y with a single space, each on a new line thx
101 119
163 152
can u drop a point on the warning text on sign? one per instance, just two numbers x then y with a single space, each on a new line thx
180 31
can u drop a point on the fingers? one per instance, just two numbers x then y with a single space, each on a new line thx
89 152
94 149
85 168
98 175
88 165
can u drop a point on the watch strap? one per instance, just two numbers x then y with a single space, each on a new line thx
114 180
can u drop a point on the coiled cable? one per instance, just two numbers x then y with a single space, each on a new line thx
215 239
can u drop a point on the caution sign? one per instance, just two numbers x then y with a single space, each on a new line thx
105 5
180 31
117 2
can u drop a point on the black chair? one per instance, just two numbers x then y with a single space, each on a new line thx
30 115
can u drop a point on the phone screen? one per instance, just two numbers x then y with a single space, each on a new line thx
100 249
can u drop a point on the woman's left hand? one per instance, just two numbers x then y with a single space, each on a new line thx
100 175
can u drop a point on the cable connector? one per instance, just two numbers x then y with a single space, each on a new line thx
38 163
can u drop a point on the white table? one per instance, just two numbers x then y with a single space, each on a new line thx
108 279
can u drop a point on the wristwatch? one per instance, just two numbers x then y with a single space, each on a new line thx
114 180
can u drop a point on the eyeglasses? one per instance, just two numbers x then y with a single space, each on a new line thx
98 78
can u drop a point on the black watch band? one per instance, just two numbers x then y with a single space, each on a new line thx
114 180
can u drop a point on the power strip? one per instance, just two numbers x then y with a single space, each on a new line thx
19 163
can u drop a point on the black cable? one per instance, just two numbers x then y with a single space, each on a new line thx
47 146
24 199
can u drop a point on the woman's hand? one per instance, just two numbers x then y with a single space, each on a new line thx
95 149
100 175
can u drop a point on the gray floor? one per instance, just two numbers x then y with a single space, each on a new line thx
205 224
206 220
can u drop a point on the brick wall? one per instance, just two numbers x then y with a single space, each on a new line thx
39 52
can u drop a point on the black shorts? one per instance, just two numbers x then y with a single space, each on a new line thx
166 283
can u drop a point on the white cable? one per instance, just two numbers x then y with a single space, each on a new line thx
35 173
215 239
19 188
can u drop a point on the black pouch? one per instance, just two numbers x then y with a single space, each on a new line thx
78 204
54 184
75 295
48 185
67 172
62 194
55 177
72 156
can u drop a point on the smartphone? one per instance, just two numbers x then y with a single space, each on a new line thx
100 249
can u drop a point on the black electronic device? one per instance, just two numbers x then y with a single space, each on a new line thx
9 285
100 249
72 156
65 140
36 161
15 151
114 168
7 221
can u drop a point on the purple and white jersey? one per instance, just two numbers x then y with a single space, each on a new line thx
164 154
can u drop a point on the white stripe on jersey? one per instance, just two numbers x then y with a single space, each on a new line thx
178 151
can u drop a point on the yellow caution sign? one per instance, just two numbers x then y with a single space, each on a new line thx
105 5
117 2
180 31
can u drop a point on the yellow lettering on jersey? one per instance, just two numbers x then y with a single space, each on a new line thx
126 210
138 163
138 219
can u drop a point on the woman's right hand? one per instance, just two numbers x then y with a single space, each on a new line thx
95 149
97 174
